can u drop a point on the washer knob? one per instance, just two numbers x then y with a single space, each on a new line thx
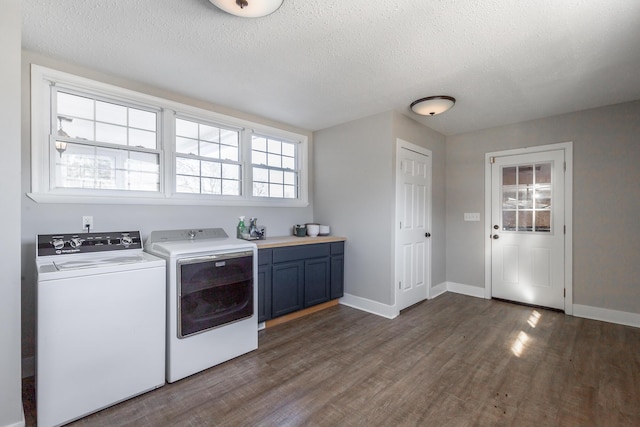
126 241
76 242
58 243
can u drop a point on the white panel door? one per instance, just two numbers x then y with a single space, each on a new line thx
413 197
527 235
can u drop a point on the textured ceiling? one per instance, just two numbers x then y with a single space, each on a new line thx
317 63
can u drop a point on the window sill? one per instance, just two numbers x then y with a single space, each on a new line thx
175 200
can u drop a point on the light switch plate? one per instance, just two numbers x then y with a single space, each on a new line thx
472 216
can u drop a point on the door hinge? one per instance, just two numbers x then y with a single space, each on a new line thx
399 285
565 166
492 159
565 292
565 229
400 225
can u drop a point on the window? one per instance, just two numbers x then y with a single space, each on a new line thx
97 143
207 159
526 198
274 168
103 144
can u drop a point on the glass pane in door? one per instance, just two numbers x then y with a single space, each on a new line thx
527 198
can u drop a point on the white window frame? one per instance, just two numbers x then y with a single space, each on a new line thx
42 190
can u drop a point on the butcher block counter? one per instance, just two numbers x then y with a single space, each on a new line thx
282 241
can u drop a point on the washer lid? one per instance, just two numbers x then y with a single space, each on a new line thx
79 263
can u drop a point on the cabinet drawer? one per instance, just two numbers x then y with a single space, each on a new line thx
265 256
300 252
337 248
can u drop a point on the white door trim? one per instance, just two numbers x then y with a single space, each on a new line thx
400 145
568 206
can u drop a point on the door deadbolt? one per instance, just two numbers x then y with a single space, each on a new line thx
495 227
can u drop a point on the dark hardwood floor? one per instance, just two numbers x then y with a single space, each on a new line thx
451 361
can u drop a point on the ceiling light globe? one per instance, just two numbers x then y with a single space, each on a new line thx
433 105
248 8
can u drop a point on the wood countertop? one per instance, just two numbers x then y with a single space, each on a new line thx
282 241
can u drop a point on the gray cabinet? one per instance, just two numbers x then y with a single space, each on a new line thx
295 277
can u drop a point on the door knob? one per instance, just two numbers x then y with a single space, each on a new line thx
427 234
495 227
495 236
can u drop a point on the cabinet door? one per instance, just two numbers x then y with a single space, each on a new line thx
287 287
337 276
264 292
316 281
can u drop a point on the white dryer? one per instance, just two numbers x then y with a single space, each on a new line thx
212 290
100 323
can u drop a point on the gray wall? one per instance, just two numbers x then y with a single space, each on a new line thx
43 218
354 193
606 200
10 383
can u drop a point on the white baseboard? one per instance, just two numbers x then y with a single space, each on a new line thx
28 367
370 306
459 288
437 290
20 423
606 315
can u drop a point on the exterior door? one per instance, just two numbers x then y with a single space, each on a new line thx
528 228
413 209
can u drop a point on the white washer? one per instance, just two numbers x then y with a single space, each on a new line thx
100 323
211 297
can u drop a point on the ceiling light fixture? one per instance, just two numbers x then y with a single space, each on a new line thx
248 8
432 105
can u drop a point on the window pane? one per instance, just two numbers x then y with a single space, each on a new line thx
289 178
142 119
231 171
85 166
230 188
229 137
187 146
509 199
79 128
142 138
525 175
210 169
276 177
75 106
209 133
543 197
509 176
187 184
289 192
187 166
186 128
543 173
543 221
525 196
275 147
288 149
276 190
260 174
258 158
210 149
260 189
211 186
525 220
229 153
274 160
259 143
111 133
111 113
509 220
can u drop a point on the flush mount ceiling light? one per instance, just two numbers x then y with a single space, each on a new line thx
432 105
248 8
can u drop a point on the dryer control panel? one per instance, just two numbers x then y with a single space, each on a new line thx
76 243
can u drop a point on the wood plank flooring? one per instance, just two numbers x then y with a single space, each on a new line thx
451 361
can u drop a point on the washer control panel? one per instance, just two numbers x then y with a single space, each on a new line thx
76 243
